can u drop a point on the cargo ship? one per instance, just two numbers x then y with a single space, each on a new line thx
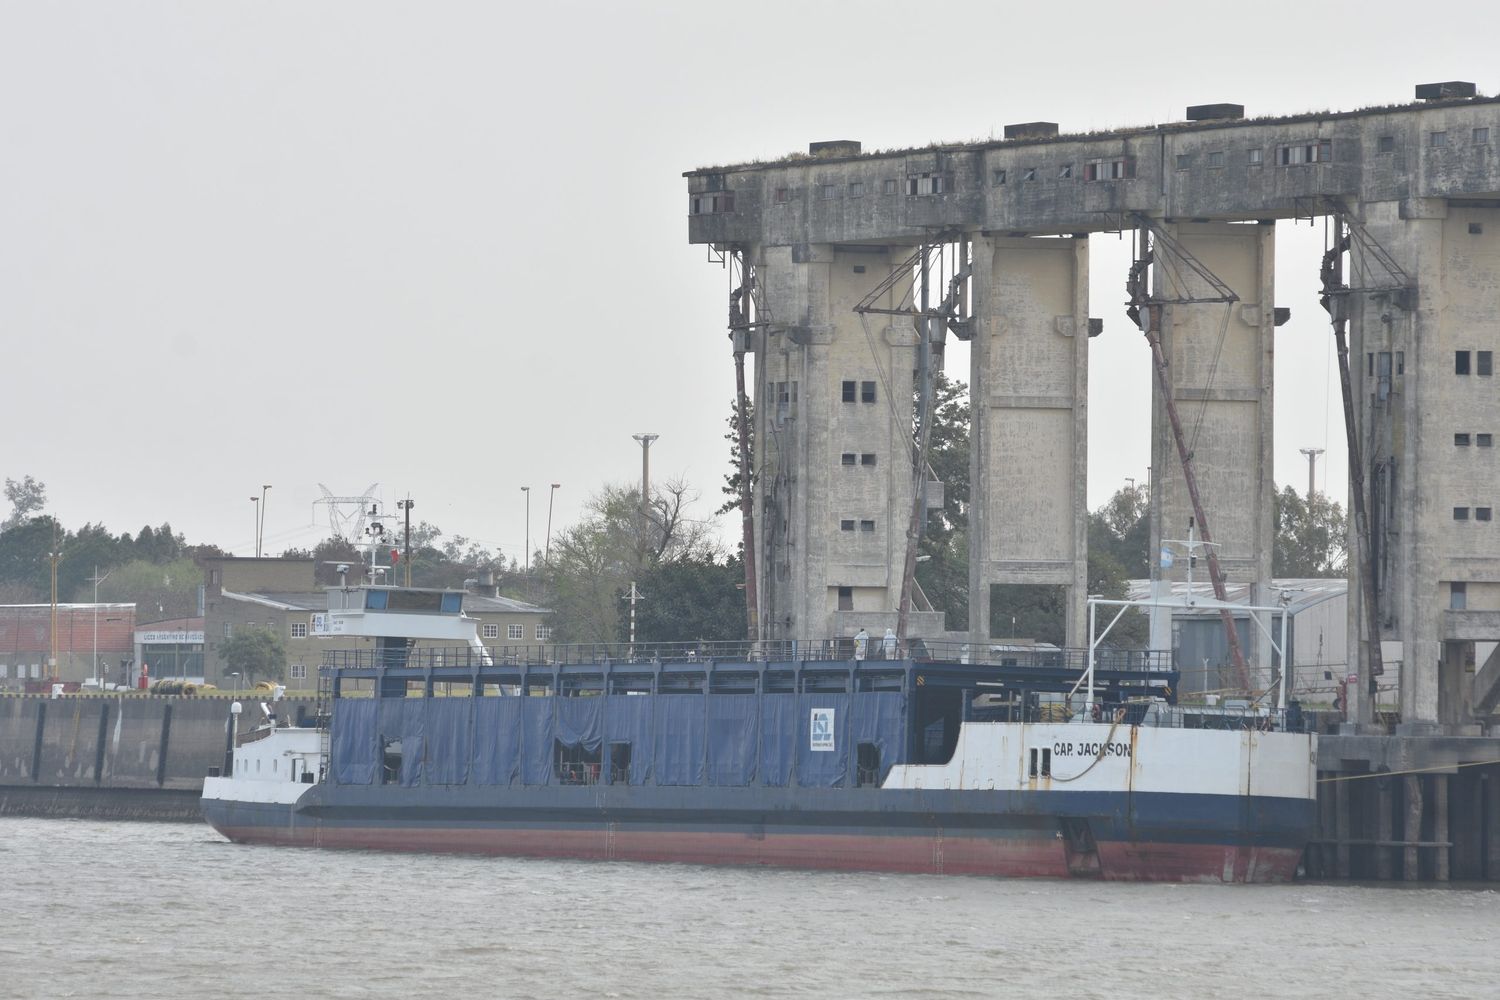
1058 763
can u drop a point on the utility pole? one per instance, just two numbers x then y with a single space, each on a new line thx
255 527
632 597
547 546
1312 469
527 490
645 440
54 557
406 505
96 581
260 533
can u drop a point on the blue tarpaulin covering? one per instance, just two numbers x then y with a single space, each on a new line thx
732 727
447 741
536 741
497 740
778 738
627 719
822 739
679 739
879 717
580 722
413 740
352 740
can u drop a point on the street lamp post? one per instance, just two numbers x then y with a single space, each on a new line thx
547 547
260 532
97 580
236 675
255 525
527 490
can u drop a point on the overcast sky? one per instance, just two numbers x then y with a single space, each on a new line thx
442 246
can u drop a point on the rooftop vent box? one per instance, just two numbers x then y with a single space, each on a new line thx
1444 91
834 147
1214 112
1031 130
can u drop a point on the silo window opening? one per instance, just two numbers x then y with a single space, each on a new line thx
1319 151
867 458
1458 596
856 189
1460 513
867 392
1385 144
1255 157
888 186
847 524
1216 158
1065 172
828 192
849 389
1481 136
1484 440
847 458
846 598
1460 362
1476 229
1437 139
1029 174
997 177
1461 440
1109 170
867 526
783 195
1482 513
1184 161
1485 362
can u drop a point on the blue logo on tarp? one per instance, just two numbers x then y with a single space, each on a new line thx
820 733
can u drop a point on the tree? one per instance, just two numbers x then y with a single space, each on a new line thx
1309 536
26 497
944 574
254 652
734 480
24 549
159 591
692 599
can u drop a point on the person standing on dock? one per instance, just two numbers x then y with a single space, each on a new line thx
861 643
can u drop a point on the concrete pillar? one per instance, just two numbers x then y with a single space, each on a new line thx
808 496
1412 829
1029 446
1411 399
1466 802
1221 362
1440 826
1341 792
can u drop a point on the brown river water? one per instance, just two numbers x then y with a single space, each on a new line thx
91 909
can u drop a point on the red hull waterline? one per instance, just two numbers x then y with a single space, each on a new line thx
932 855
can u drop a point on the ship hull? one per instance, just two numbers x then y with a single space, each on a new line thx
1122 837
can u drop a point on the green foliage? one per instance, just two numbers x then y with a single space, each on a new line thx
1310 536
255 654
735 478
25 496
158 591
695 598
944 574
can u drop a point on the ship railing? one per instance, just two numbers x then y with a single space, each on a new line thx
831 650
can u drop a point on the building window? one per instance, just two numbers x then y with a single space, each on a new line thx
1481 513
997 177
847 458
846 598
1460 513
1476 229
1318 151
1255 157
783 195
491 631
1184 160
1028 174
1461 440
1065 171
299 630
1458 596
1460 362
926 184
867 458
515 632
1481 136
867 392
1437 139
226 630
297 671
888 186
544 633
847 524
867 526
1485 362
827 192
856 189
1216 159
848 387
1400 362
1385 144
1484 440
1109 170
